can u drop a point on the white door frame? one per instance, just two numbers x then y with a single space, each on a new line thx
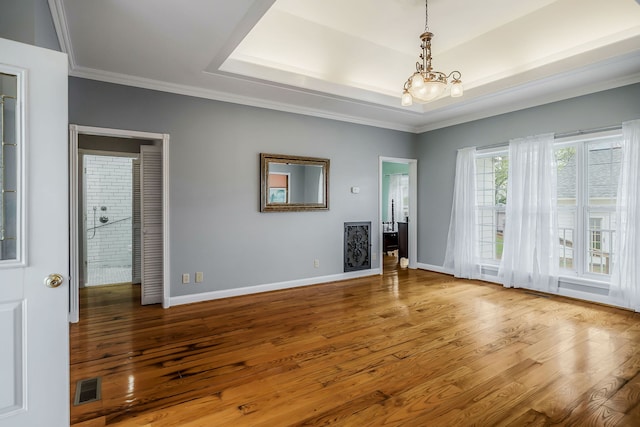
413 209
74 131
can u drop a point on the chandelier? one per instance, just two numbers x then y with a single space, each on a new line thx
426 84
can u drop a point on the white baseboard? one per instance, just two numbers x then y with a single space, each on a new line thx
436 268
587 296
248 290
490 278
443 270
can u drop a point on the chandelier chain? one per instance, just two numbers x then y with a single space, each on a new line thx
426 15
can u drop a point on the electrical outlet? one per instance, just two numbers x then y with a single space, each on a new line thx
185 278
199 276
374 256
316 263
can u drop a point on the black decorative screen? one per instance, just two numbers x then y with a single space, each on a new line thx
357 246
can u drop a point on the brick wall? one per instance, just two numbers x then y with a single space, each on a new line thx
108 190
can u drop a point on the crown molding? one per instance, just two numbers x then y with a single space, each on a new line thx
506 101
58 16
127 80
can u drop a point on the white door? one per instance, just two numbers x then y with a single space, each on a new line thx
152 224
34 337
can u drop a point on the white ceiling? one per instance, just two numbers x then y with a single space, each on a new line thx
348 59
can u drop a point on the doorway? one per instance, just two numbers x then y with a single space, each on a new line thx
113 235
397 213
107 256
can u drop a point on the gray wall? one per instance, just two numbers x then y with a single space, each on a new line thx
312 175
216 226
436 151
28 21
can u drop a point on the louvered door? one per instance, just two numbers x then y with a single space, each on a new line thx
151 222
136 244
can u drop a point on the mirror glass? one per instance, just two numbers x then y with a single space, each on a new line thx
293 183
9 173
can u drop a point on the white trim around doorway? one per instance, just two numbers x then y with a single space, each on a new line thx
74 131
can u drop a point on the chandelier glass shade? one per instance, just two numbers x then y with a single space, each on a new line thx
425 84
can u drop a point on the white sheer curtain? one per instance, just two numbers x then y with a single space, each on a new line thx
625 275
398 186
530 256
462 242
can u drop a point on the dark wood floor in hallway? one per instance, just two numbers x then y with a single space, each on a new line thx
407 348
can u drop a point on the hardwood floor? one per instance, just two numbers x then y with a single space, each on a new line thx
409 348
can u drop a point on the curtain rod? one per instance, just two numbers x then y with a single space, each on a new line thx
560 135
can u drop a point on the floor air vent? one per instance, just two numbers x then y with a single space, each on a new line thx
87 391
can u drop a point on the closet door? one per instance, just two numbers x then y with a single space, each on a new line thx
151 223
136 243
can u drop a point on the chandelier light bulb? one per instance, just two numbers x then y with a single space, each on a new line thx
434 90
456 89
422 91
407 99
417 82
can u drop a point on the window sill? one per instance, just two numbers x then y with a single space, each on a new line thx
584 281
565 281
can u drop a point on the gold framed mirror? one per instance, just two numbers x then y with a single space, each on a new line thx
293 183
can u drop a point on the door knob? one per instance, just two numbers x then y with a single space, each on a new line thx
53 280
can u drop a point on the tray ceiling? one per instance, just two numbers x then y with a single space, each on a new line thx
348 59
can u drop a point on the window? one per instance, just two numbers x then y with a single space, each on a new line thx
588 171
588 168
595 233
10 187
567 199
603 171
491 198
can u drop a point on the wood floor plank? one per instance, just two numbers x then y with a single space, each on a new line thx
627 397
601 416
575 393
409 347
